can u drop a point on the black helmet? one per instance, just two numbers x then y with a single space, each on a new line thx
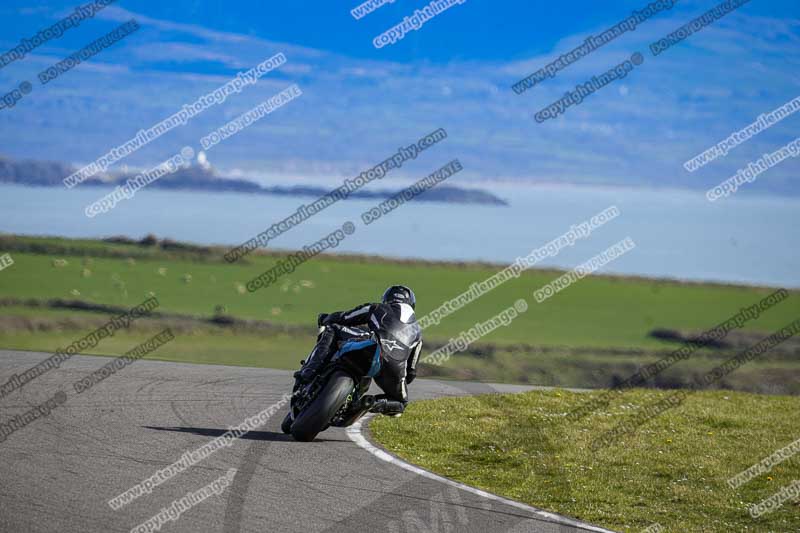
400 294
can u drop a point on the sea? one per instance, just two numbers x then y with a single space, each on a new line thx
678 234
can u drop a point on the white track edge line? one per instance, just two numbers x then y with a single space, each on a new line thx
355 434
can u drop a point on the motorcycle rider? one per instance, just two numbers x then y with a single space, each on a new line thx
393 322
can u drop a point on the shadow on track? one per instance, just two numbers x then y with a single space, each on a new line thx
272 436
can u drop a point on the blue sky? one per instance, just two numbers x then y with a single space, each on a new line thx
360 103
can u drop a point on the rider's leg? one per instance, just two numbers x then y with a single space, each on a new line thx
392 380
319 355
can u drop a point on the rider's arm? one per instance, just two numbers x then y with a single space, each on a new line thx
354 317
353 334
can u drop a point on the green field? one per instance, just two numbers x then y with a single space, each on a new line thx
672 471
596 333
591 334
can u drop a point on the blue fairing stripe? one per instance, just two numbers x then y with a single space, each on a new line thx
376 362
376 359
352 345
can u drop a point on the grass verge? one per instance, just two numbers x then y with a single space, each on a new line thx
671 471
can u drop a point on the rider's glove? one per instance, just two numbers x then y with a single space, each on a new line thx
411 375
321 318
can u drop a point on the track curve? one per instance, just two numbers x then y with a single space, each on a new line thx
59 472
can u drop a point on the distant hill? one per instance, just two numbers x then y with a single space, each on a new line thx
196 178
35 173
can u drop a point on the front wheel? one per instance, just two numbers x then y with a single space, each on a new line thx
317 416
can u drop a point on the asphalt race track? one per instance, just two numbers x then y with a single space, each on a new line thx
59 472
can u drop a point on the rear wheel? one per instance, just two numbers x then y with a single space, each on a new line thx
286 425
317 416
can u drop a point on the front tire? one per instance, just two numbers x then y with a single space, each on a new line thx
317 416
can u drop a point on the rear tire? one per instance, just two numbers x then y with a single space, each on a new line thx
286 425
317 416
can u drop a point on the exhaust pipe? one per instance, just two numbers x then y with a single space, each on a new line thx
365 404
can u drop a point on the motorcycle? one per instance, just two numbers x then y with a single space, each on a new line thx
336 396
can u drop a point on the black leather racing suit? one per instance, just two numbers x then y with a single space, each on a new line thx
400 336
